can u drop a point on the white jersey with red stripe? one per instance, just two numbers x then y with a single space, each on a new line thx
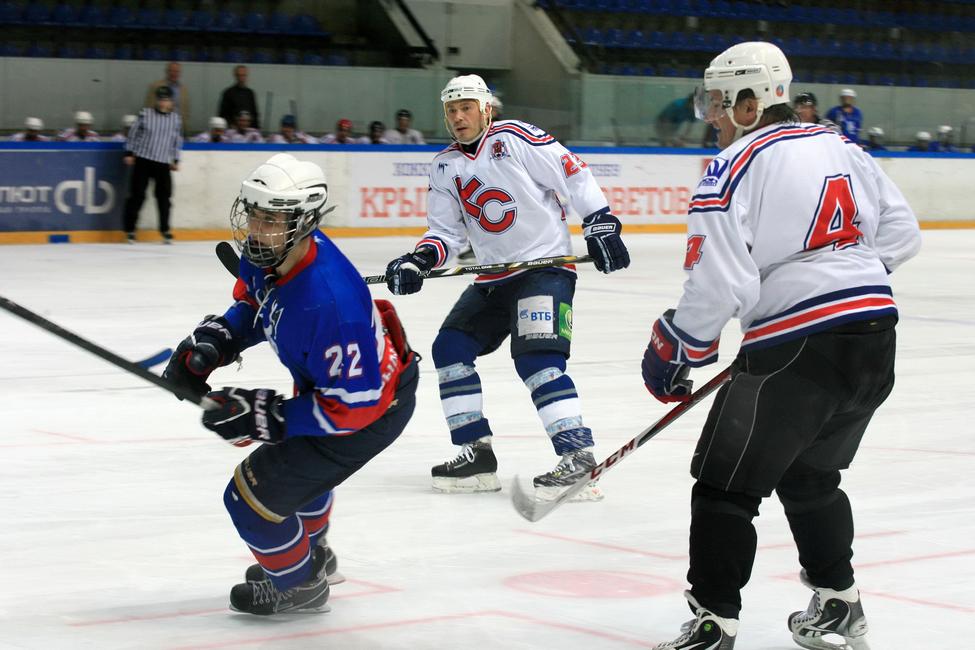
507 198
793 229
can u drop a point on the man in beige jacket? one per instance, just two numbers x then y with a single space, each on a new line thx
181 99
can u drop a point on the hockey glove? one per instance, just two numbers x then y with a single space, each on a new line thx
403 273
210 346
246 415
664 374
602 232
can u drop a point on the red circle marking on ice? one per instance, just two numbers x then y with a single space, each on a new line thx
592 584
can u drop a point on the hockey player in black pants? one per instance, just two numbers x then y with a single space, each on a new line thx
793 230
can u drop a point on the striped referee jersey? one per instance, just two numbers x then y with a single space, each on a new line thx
156 136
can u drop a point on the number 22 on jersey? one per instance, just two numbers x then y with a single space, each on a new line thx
835 220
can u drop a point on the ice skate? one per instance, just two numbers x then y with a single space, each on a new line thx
573 466
707 631
255 573
262 598
473 470
834 620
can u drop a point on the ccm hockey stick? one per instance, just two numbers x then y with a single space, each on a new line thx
134 368
228 257
534 509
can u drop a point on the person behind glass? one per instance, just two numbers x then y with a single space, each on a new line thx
123 134
922 142
807 108
31 132
875 140
289 133
181 98
239 97
82 129
153 150
242 132
675 121
847 115
377 134
943 144
342 135
217 132
403 133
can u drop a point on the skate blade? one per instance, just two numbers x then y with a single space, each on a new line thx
335 578
842 643
591 492
476 483
321 609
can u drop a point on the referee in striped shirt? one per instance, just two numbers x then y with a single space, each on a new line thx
152 149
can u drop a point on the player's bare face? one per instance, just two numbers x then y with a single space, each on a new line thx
465 119
807 112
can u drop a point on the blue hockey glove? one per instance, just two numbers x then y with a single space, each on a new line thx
403 273
602 232
210 346
246 415
664 374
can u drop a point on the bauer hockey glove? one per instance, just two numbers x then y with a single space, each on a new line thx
664 372
210 346
403 273
244 416
602 232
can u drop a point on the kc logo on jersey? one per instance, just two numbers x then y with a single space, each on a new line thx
476 200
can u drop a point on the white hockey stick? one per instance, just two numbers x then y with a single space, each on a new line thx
533 509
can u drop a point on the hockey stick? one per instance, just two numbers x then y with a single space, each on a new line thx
532 509
228 257
160 357
98 351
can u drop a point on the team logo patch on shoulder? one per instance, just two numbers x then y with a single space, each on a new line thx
716 169
499 150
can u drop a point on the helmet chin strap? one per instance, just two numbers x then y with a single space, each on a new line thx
741 128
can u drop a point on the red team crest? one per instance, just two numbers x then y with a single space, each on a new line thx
498 150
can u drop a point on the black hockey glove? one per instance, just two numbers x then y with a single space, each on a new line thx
210 346
246 415
403 273
602 232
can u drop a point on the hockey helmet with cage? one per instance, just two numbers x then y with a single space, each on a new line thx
286 197
468 86
757 66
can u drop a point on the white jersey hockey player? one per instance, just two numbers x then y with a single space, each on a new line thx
505 187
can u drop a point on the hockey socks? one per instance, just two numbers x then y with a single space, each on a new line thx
555 399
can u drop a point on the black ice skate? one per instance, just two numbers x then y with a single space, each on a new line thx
255 573
707 631
572 467
831 615
263 598
474 470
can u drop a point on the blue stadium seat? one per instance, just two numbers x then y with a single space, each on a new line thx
628 70
201 21
633 39
921 82
42 50
305 24
149 19
182 54
64 14
176 19
121 17
261 56
68 51
678 41
648 71
227 21
279 23
255 22
92 15
311 58
124 52
10 13
96 52
613 38
290 57
36 13
153 53
591 36
233 55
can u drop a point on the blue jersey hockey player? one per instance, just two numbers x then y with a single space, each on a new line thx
354 383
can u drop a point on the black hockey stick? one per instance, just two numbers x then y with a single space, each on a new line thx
534 509
98 351
228 257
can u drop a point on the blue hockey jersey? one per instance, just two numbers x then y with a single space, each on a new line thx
321 322
850 123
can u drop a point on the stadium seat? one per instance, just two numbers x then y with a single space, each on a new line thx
311 58
290 57
64 14
305 24
153 53
36 13
233 55
149 19
279 23
226 21
10 13
42 50
255 22
261 56
121 17
176 19
201 20
68 51
92 15
96 52
124 52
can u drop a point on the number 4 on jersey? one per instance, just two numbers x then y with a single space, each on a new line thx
835 223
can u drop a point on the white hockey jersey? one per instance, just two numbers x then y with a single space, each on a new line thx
793 230
507 198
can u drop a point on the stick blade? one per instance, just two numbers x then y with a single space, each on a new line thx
159 358
533 508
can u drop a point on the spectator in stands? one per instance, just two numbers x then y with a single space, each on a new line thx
123 134
82 129
153 149
181 98
289 133
710 138
497 109
217 132
403 134
342 135
943 144
377 133
921 142
32 131
239 98
242 131
807 107
675 120
847 115
875 139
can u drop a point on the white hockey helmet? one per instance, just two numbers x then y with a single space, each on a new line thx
944 129
290 194
757 66
83 117
467 86
128 121
848 92
217 123
923 136
33 124
875 130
